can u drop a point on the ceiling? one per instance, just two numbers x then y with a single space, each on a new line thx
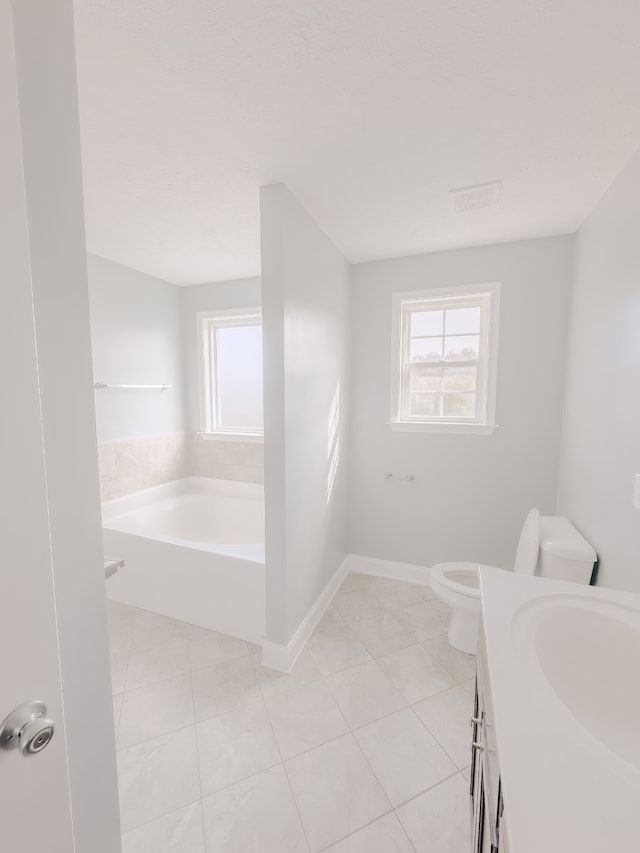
369 110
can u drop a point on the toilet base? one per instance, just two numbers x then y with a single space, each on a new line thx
464 629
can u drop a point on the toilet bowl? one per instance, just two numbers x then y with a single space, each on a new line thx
549 546
457 584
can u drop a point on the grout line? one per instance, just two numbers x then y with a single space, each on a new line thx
159 681
317 746
229 711
359 829
195 729
430 788
161 817
248 654
375 775
382 716
458 682
116 723
345 668
370 823
240 781
437 693
155 737
124 692
404 831
218 663
380 785
371 770
436 739
184 672
124 684
435 660
286 773
164 814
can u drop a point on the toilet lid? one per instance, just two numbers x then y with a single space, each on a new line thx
527 553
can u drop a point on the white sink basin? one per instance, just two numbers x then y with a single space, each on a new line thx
585 653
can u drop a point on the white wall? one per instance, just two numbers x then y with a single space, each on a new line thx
601 425
305 306
220 296
471 492
136 336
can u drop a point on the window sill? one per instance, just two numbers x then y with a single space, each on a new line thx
452 428
246 437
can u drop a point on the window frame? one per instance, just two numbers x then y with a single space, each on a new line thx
207 322
486 296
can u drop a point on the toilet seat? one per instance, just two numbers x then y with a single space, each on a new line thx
459 577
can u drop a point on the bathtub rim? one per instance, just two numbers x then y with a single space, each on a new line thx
185 485
216 487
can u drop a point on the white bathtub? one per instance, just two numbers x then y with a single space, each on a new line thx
193 550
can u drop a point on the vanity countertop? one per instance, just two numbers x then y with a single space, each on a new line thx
564 791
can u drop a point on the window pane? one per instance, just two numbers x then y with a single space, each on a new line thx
427 323
425 405
444 360
459 405
461 321
461 348
425 349
426 379
239 377
459 379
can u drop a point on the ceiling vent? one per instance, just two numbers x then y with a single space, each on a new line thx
468 199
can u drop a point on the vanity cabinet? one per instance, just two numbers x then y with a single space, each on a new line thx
487 805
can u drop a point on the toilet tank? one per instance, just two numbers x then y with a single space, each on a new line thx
564 553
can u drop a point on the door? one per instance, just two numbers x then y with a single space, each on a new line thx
53 643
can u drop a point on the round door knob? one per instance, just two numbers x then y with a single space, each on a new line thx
35 735
27 729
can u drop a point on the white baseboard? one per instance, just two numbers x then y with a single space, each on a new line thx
283 657
388 569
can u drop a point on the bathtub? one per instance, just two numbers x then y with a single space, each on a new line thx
193 550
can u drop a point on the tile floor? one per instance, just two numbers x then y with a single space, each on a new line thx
363 748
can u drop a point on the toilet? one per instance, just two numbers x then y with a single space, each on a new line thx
549 546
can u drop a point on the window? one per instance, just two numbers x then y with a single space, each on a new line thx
231 372
445 359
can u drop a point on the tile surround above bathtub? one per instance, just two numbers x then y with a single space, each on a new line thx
228 460
130 466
